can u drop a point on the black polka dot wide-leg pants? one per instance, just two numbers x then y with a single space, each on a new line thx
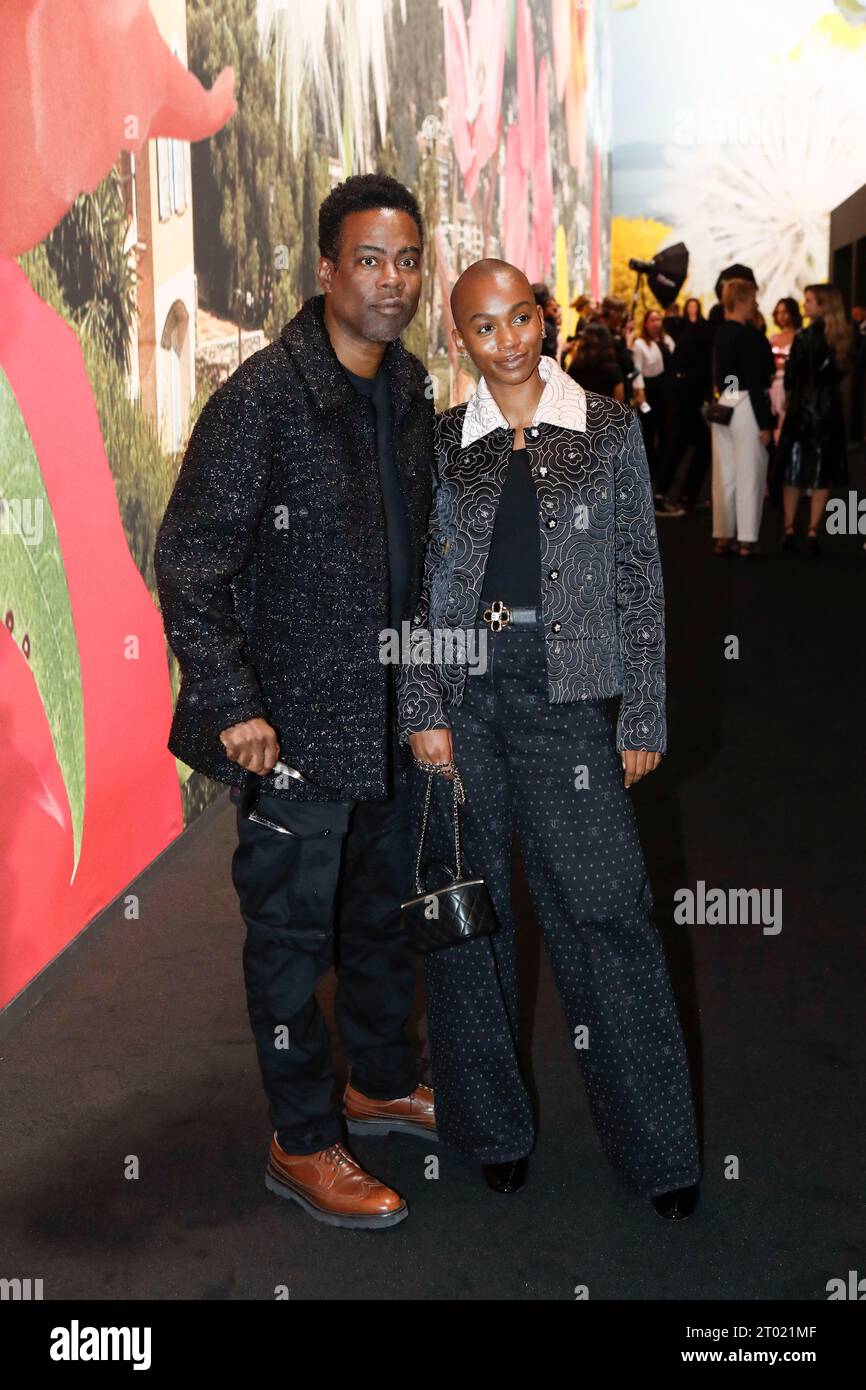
552 774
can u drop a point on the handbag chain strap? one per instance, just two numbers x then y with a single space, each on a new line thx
459 797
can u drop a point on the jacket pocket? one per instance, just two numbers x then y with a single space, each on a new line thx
302 820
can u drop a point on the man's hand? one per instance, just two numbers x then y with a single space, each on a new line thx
253 745
433 746
765 436
637 762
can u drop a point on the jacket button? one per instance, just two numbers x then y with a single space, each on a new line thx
551 523
557 627
553 574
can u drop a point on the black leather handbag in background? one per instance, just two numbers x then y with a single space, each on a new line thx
715 413
461 909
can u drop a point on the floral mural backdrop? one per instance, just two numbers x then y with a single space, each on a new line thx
497 112
163 162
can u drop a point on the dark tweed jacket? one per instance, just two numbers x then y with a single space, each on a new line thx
602 595
272 562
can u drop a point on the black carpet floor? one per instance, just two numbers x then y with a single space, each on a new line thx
141 1051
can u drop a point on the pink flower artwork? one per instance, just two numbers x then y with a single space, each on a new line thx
570 63
528 210
79 83
474 69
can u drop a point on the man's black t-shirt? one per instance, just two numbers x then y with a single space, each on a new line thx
396 521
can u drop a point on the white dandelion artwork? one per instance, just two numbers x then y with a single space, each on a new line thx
755 181
332 55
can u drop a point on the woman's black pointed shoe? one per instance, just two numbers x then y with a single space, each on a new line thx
506 1177
677 1205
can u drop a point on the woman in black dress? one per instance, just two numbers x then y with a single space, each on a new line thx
691 386
652 351
812 447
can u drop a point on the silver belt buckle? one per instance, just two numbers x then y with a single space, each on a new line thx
497 616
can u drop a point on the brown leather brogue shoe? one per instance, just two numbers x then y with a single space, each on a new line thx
410 1115
333 1187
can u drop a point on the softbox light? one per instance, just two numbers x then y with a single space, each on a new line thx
666 272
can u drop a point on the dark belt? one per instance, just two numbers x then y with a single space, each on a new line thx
498 615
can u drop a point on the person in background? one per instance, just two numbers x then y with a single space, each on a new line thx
813 448
691 385
613 316
716 316
652 352
742 370
544 299
587 310
553 314
788 321
673 321
594 363
760 324
858 329
858 393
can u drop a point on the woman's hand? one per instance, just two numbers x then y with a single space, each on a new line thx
432 746
637 762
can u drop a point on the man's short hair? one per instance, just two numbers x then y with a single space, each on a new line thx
360 193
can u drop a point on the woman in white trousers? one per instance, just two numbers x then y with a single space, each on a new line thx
743 370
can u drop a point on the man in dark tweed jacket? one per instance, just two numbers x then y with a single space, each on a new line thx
293 539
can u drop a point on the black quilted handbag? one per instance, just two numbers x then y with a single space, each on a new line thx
459 910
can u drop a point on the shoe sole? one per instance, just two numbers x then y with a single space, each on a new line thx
388 1127
330 1218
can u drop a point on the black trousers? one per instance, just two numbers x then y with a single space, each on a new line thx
654 423
552 773
688 428
328 893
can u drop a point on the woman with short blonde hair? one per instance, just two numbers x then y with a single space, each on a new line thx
737 292
742 371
